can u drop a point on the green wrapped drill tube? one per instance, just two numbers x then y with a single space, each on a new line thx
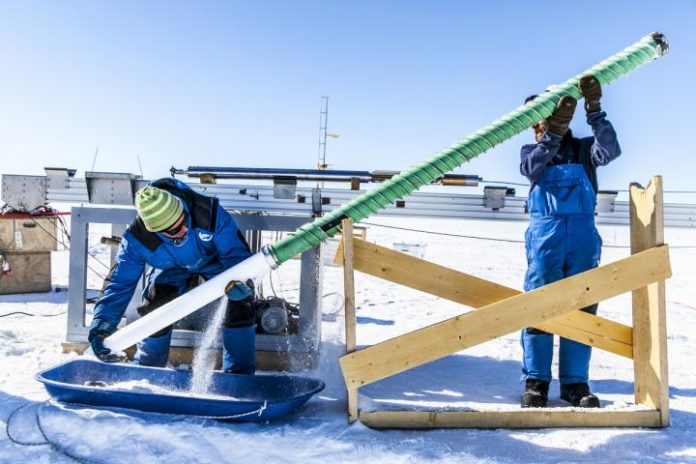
308 236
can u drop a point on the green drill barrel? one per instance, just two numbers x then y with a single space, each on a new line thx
647 49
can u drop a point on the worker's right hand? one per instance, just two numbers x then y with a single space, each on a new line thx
236 290
96 340
560 119
592 91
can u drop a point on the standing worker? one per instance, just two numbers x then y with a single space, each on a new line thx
562 239
183 236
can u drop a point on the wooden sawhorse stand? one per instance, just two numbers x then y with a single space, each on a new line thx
501 310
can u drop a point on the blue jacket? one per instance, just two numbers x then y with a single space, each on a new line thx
589 152
214 238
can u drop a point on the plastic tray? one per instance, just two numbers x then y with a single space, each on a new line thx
252 398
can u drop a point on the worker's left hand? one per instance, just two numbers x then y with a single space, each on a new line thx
560 119
96 340
592 91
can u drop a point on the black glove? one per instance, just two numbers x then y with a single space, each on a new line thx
559 120
592 91
96 339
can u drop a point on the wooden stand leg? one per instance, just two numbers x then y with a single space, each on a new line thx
649 307
349 304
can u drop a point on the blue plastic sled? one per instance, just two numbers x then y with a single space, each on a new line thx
252 398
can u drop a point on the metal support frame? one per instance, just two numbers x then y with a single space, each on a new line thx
112 188
247 197
77 278
262 198
311 279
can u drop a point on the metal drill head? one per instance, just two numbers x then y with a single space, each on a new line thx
663 46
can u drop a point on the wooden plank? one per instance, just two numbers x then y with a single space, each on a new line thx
348 284
595 325
502 317
423 275
359 233
649 306
476 292
74 347
346 249
353 405
338 257
528 418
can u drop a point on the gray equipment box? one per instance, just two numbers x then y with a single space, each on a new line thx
111 188
24 193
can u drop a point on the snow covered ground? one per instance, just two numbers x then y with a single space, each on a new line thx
486 376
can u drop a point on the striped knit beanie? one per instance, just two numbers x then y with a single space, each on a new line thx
158 208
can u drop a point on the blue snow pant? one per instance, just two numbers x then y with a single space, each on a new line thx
561 241
239 334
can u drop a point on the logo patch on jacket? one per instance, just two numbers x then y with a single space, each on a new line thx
205 237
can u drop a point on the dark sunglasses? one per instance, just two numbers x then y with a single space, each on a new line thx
176 229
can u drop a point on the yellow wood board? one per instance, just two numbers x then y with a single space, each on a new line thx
528 418
649 303
476 292
505 316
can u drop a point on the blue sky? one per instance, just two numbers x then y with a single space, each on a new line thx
239 83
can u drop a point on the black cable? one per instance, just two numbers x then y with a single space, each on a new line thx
64 227
22 313
67 247
270 280
47 441
492 239
444 233
505 182
62 242
342 302
664 191
9 423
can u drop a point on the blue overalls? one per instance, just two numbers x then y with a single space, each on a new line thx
561 241
204 251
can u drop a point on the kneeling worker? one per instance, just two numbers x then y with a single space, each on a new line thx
562 239
182 235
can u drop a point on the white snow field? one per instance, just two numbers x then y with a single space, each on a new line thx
484 377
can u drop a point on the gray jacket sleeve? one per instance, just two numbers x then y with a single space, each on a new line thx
534 157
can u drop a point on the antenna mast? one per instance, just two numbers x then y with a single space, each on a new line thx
323 118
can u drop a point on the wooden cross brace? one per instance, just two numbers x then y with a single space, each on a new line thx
475 292
501 310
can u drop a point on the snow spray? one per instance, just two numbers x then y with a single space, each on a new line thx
204 358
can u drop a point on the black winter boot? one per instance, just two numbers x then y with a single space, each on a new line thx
579 395
536 393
